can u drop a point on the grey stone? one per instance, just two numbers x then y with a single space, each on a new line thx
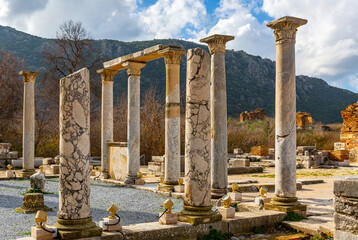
346 188
346 223
346 206
37 181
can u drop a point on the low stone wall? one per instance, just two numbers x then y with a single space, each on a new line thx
346 209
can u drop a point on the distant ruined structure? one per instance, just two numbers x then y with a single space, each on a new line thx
259 113
303 120
349 131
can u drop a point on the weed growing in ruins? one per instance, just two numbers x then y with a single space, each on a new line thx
293 217
259 229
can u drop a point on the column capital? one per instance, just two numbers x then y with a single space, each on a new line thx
29 76
285 28
133 68
217 42
107 74
172 54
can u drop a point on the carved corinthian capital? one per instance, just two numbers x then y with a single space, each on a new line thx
107 74
133 68
28 76
216 42
285 28
172 55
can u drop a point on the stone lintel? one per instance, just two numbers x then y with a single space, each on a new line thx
134 67
29 76
107 74
144 55
172 54
285 28
217 42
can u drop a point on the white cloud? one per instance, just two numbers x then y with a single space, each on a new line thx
327 46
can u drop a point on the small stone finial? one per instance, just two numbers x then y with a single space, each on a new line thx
227 201
217 42
112 210
91 168
139 175
133 68
180 181
263 191
234 187
285 28
168 205
9 167
172 54
41 217
107 74
29 76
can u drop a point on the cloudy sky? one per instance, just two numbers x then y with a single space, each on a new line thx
327 47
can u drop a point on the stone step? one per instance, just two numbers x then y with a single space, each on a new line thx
310 181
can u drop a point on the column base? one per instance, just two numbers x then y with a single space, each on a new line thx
286 204
167 186
130 179
217 193
198 215
77 228
26 173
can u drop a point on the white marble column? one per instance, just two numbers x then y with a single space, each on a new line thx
28 140
218 106
197 200
133 133
107 118
285 110
172 57
74 218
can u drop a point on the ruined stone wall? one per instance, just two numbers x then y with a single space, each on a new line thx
259 113
303 119
349 131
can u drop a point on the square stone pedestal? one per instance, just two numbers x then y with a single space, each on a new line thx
179 189
40 234
263 200
110 228
168 218
235 196
9 174
227 213
139 181
286 205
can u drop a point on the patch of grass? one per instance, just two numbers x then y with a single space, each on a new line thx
264 176
293 217
18 211
214 234
28 233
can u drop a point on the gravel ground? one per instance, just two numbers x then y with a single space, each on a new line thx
135 206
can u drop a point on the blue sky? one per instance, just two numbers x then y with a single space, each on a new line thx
327 47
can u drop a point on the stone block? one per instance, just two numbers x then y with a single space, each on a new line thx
346 188
261 200
158 158
235 196
342 235
168 218
339 155
238 151
5 147
47 161
346 223
118 160
259 151
110 228
239 162
40 234
139 181
346 206
92 173
9 174
339 146
243 170
227 212
179 189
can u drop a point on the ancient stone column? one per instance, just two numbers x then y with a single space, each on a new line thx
218 106
107 118
172 57
28 140
197 201
133 130
285 115
74 217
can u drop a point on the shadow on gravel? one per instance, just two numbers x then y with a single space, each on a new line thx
13 186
